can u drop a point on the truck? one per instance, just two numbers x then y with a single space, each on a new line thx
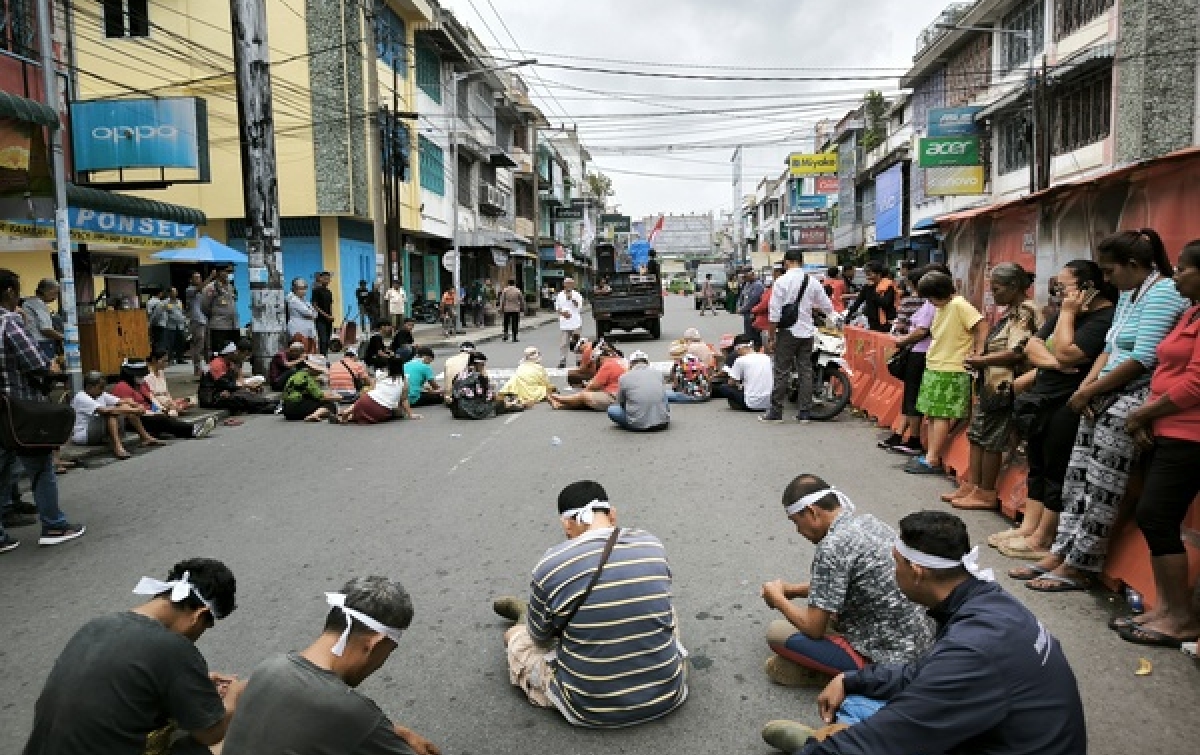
623 298
720 279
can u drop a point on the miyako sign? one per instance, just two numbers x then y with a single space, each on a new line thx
949 150
171 132
822 164
954 181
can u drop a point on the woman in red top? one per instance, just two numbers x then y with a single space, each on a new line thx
132 386
1169 424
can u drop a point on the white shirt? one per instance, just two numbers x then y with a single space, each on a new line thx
571 304
756 373
85 408
396 299
785 291
388 392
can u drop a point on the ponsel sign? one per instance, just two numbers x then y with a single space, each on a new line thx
821 164
171 132
948 150
953 121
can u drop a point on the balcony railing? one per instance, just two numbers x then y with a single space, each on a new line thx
493 201
936 30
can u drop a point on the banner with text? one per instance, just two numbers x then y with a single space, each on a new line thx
823 164
954 181
948 150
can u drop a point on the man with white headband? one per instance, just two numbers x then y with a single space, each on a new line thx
852 578
306 703
641 404
603 662
994 682
126 683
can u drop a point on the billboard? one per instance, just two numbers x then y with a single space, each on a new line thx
889 203
826 185
575 212
619 223
954 181
953 121
948 150
822 164
808 237
171 132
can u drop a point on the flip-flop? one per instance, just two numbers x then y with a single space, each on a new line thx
1027 572
1140 635
1058 584
1019 548
995 539
1117 623
233 423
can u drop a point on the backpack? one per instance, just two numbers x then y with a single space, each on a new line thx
791 311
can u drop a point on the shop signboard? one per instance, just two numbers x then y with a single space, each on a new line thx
826 185
802 165
567 213
808 237
619 223
811 202
889 203
953 121
108 228
954 181
948 150
169 132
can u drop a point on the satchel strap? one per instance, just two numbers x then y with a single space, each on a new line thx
604 556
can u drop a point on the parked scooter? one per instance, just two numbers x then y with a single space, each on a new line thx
831 374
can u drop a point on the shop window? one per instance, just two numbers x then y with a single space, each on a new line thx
126 18
1082 112
1012 136
429 72
1072 15
1015 49
433 169
466 196
18 27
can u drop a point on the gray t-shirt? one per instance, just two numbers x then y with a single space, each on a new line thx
291 707
644 396
854 576
120 678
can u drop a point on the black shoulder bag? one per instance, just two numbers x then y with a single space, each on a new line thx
34 427
791 311
604 555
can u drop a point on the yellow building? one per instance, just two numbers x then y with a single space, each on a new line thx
330 189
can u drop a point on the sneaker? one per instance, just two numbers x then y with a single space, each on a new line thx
771 416
24 507
789 674
804 417
889 443
204 428
510 608
17 519
919 465
60 535
787 736
909 448
7 543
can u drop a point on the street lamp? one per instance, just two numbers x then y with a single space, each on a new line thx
1027 35
455 77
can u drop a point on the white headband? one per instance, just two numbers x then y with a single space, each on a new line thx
811 498
970 561
338 600
180 589
586 514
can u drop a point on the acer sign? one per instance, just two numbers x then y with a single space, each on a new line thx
949 150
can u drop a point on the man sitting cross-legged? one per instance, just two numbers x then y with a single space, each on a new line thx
853 577
994 682
126 682
306 703
599 641
601 391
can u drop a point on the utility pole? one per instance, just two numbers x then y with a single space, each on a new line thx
374 138
62 223
256 127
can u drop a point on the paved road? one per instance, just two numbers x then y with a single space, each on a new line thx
460 511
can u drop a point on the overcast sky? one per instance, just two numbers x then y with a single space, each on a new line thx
742 39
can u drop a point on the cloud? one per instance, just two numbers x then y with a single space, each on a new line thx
616 110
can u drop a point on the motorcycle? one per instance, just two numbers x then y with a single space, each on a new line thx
831 375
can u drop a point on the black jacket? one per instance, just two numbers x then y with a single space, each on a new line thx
994 682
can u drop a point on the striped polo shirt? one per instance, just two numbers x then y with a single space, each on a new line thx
619 663
1140 325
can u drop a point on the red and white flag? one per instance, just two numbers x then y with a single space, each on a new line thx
657 229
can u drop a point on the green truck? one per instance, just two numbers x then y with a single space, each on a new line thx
623 299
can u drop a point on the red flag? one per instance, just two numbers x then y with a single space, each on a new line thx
657 229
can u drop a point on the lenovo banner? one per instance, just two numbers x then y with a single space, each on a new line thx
950 182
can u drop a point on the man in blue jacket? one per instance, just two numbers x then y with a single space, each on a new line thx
995 682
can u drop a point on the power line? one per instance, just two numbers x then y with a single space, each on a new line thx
533 70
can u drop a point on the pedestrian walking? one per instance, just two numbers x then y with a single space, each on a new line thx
790 335
397 303
512 303
197 322
708 296
322 301
362 299
569 305
22 367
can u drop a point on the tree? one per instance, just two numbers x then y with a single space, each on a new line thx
599 185
875 117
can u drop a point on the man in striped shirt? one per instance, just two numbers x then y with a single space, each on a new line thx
608 657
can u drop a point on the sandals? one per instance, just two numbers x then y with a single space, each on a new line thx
1059 583
1118 623
1027 572
1140 635
995 539
1018 547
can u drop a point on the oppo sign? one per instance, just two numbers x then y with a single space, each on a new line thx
152 133
952 151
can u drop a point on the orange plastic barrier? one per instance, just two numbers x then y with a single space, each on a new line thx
879 396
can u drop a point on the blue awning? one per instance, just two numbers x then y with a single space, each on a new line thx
925 224
207 249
